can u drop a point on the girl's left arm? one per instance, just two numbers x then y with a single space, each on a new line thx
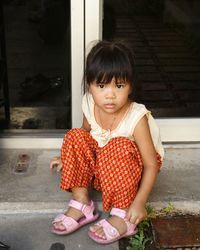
143 139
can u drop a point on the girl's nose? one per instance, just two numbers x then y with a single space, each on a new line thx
110 93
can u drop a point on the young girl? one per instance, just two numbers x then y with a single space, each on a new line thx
117 150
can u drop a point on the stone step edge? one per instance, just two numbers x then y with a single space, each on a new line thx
189 206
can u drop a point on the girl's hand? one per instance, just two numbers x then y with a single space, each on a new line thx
56 163
136 213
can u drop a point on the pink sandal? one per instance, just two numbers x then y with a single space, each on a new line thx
111 232
72 225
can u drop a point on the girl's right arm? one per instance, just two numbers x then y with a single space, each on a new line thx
56 163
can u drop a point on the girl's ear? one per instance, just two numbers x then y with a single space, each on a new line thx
88 87
131 89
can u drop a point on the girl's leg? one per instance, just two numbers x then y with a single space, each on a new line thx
120 168
78 159
79 194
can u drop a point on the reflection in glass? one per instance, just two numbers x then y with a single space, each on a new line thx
37 44
165 38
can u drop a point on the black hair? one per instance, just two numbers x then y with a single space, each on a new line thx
108 60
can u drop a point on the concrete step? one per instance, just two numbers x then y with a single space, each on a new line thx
38 189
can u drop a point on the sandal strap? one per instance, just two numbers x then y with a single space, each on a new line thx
122 214
87 210
118 212
59 218
109 231
69 222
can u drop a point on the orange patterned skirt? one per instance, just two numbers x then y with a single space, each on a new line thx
114 169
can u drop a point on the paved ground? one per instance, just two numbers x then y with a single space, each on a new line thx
28 202
32 232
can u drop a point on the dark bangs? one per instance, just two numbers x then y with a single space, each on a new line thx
108 60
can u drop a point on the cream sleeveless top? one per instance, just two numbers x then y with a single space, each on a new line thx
126 126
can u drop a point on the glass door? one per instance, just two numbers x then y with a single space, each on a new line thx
45 52
165 38
37 57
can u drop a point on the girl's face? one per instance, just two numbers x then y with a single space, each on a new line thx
110 97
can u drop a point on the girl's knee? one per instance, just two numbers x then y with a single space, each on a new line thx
123 147
121 143
75 134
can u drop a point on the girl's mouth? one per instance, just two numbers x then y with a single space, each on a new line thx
109 105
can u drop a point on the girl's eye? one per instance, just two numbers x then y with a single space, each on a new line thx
101 86
119 85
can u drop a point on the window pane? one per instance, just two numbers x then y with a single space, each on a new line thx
37 54
165 38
